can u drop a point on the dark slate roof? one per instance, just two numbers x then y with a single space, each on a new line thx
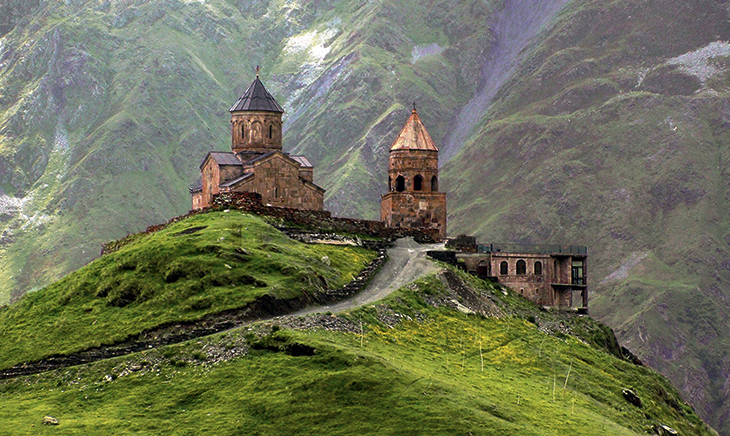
312 184
257 98
247 156
197 186
236 180
225 158
303 161
259 157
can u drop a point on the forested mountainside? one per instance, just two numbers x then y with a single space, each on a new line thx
587 122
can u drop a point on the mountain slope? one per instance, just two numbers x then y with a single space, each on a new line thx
208 264
412 363
599 135
110 107
613 134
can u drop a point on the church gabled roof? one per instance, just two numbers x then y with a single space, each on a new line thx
414 136
257 98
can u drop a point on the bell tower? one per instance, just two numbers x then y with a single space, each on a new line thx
256 120
413 198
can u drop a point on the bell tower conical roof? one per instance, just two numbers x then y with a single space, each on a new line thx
414 136
257 98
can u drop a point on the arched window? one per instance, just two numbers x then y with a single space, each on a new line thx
434 184
271 131
521 267
400 184
418 183
243 131
503 268
276 192
538 268
390 184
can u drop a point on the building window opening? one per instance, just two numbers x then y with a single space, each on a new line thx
276 192
577 273
271 131
243 131
390 184
538 268
483 269
400 184
521 267
503 268
434 184
418 183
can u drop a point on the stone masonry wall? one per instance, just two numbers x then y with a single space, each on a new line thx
278 181
320 220
415 210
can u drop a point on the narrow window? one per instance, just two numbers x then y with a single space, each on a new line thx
418 183
390 184
271 131
503 268
521 267
276 192
400 184
434 184
538 268
243 131
577 273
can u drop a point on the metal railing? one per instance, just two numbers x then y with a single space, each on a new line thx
533 249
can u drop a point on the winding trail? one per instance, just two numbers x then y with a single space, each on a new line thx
406 262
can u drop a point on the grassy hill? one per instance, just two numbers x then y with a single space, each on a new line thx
614 134
608 128
412 364
206 264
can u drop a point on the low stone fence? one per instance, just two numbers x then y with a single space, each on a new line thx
322 220
313 220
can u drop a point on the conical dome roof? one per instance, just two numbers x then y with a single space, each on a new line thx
414 136
257 98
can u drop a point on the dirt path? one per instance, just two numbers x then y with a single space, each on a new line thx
407 262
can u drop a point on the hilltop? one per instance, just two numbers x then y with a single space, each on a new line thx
447 354
211 263
585 122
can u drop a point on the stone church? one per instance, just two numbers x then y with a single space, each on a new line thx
413 198
256 162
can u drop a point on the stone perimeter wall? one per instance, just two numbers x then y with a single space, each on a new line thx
320 220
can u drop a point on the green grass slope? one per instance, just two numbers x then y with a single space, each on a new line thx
614 134
201 265
408 365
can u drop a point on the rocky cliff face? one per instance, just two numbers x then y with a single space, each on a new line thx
570 122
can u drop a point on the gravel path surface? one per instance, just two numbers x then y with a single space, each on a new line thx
407 262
